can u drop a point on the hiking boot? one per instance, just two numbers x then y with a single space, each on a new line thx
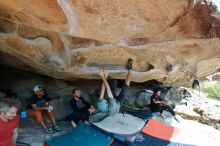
57 128
129 65
48 130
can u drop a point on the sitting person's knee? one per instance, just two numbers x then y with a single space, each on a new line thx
38 116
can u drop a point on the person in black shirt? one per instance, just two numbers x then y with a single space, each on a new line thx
39 106
81 108
159 104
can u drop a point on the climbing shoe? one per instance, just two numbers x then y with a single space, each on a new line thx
129 65
57 128
48 131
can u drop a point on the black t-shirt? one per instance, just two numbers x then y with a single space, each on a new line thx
79 105
155 98
39 102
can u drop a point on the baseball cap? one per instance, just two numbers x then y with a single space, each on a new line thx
36 88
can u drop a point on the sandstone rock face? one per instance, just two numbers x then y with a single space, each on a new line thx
169 40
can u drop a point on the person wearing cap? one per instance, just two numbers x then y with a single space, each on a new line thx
39 106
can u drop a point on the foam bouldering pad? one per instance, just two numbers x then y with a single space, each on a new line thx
123 127
83 135
160 130
147 140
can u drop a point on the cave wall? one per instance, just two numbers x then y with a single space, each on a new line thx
169 40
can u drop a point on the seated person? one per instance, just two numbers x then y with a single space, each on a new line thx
38 107
81 108
112 105
159 104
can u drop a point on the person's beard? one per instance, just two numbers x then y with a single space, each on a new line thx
76 96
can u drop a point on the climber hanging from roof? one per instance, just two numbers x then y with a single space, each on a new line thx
112 105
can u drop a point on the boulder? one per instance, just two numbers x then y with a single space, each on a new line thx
87 97
144 98
59 108
2 95
176 94
199 107
169 40
131 97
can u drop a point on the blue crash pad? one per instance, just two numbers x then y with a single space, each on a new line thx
83 135
147 140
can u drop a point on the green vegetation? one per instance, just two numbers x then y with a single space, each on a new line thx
212 89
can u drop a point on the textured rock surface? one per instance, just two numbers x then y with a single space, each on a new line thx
199 107
176 94
2 95
143 98
169 40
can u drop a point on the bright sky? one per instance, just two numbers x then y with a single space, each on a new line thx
217 2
